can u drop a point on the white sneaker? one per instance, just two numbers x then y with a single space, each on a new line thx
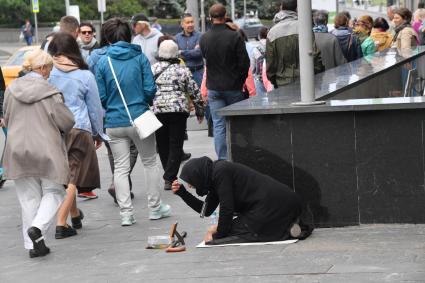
163 211
127 220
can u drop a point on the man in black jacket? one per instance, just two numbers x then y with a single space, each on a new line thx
227 65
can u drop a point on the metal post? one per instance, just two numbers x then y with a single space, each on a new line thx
233 9
244 9
101 19
305 35
67 7
193 8
202 15
36 28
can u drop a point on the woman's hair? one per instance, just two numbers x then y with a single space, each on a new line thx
405 14
115 30
164 37
381 23
262 34
63 44
36 59
341 20
347 14
168 50
420 14
365 21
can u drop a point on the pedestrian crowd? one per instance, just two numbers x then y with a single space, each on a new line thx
79 93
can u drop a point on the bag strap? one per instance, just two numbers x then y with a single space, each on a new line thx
120 91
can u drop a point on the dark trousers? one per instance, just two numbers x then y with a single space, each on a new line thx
170 138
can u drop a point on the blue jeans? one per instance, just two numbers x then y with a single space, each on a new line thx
259 87
218 100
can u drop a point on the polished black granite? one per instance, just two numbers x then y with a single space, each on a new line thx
336 83
351 160
350 168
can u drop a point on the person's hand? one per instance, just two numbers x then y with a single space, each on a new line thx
98 142
175 186
200 119
205 99
211 231
191 107
2 125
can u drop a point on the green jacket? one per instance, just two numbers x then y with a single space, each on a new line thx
368 46
282 52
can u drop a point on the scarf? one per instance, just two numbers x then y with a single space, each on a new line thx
198 173
64 64
320 28
361 32
399 29
88 46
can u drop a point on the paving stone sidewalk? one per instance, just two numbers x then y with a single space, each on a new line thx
106 252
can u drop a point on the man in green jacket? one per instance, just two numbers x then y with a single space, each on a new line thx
282 54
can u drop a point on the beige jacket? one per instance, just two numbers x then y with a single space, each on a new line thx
406 39
37 119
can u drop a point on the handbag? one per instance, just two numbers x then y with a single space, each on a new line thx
147 123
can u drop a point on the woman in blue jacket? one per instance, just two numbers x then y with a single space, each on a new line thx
78 85
135 77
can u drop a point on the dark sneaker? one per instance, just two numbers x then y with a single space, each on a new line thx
63 232
38 241
186 156
33 253
76 221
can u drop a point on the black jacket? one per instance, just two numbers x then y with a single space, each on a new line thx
226 58
265 206
2 89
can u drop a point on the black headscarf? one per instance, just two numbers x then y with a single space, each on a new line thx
198 173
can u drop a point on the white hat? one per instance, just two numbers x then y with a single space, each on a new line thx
168 49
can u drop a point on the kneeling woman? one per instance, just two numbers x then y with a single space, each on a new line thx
265 209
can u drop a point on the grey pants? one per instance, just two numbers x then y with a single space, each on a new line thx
120 146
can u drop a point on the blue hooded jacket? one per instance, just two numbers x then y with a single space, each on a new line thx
135 77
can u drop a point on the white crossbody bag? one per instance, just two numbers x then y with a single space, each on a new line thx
147 123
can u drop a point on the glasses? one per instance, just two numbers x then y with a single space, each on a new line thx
86 32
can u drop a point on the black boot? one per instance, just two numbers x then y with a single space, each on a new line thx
38 241
76 221
63 232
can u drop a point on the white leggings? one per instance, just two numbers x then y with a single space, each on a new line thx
40 200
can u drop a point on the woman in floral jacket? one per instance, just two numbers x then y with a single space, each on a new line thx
176 92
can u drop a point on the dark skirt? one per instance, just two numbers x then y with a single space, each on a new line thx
82 159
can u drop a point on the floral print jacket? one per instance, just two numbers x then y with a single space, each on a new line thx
176 88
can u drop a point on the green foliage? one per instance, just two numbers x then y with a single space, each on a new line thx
13 12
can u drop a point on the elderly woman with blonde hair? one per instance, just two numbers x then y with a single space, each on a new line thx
35 155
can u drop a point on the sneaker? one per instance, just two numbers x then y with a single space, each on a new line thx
127 220
76 221
38 241
63 232
88 195
163 211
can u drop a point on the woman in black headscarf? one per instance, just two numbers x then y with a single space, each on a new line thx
265 209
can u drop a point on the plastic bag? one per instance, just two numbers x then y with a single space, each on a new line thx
21 36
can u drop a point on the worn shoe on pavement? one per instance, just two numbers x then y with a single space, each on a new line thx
76 221
163 211
38 241
88 195
63 232
127 220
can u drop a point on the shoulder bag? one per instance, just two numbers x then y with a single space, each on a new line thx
147 123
